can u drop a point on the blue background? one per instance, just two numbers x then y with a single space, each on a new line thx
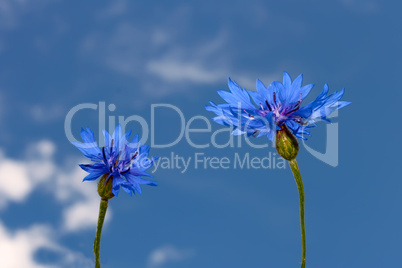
57 54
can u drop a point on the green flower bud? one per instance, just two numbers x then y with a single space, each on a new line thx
286 143
105 189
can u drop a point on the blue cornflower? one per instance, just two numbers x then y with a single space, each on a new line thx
120 160
271 108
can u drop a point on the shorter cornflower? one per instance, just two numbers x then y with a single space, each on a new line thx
120 163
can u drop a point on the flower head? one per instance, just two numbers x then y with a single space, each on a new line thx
271 107
120 161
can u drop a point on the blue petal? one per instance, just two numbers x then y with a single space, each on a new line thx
280 92
287 81
297 82
135 139
138 172
263 94
144 149
107 138
93 176
237 96
117 181
306 90
128 189
136 187
87 135
116 137
97 167
89 150
294 92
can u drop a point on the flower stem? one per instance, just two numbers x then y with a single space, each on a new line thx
102 212
299 182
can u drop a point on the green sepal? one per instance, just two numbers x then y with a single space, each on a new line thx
105 189
286 143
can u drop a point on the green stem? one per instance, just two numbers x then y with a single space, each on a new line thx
102 212
299 182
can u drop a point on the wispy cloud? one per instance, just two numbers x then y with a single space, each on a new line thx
161 60
78 201
161 65
173 70
19 178
166 254
156 57
81 200
202 63
20 186
18 248
46 113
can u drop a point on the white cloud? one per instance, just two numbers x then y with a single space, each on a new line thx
18 248
203 63
82 197
44 148
162 65
80 200
179 71
46 113
82 215
19 178
152 56
15 184
166 254
40 164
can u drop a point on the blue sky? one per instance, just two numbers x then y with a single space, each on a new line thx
55 55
